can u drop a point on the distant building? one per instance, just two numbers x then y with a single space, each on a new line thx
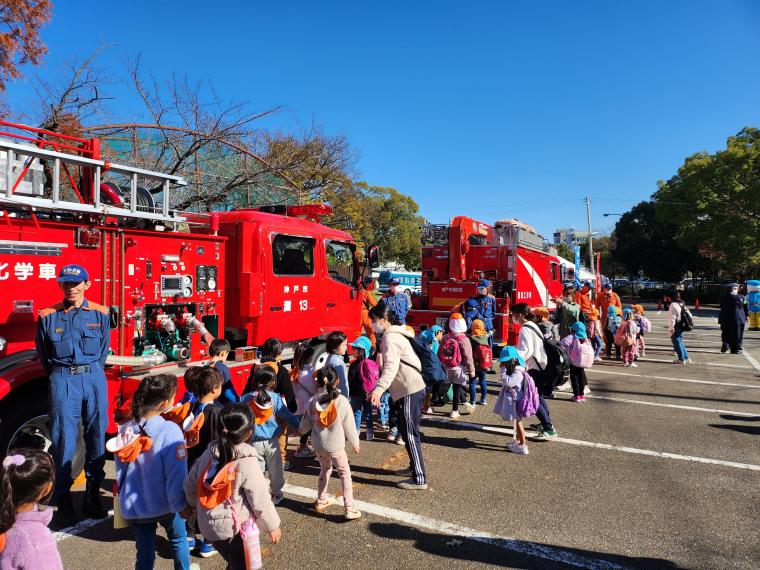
570 236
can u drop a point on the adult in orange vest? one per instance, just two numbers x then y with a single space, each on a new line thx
584 300
606 299
368 301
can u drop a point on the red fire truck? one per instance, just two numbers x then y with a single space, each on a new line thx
509 253
172 281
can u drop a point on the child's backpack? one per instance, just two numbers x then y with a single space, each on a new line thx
557 360
369 372
623 337
581 354
686 323
432 369
449 352
645 324
527 403
613 324
483 357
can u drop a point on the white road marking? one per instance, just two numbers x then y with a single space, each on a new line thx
674 406
671 379
719 364
623 449
549 553
80 527
755 364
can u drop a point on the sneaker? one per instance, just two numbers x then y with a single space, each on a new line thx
428 411
512 443
545 435
191 543
277 499
520 450
679 361
483 403
634 365
563 387
625 365
575 399
353 514
305 452
287 465
470 407
383 427
391 437
586 390
400 441
643 355
410 485
370 436
206 550
322 505
597 359
581 399
454 415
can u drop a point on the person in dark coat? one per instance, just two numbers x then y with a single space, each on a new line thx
732 319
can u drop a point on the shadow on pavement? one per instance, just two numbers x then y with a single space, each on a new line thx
471 550
740 418
675 396
751 430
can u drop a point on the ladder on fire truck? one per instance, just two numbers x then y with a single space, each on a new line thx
17 160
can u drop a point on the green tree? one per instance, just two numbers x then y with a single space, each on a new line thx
713 204
646 243
564 250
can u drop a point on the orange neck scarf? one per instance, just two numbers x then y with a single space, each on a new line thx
129 452
261 415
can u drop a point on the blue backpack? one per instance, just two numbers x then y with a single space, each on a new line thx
432 369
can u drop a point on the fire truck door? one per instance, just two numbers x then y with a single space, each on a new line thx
290 304
339 292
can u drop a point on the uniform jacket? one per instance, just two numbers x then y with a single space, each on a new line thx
486 309
67 336
29 544
151 485
401 378
733 310
398 303
584 300
333 437
250 492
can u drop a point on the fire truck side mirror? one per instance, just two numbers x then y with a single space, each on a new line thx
373 256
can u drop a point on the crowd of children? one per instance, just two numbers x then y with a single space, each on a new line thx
197 467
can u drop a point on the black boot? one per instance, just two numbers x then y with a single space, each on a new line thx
91 506
64 516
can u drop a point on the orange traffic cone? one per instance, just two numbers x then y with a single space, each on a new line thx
696 304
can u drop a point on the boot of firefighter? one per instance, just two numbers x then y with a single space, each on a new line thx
64 515
92 505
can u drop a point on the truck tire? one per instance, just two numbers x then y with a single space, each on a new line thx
320 356
24 423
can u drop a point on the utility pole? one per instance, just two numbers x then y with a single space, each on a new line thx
590 237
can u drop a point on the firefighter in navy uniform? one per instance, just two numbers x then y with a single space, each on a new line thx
486 304
72 341
396 300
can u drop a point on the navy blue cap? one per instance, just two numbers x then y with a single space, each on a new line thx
395 281
484 283
72 273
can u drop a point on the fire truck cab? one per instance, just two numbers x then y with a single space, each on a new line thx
509 253
172 281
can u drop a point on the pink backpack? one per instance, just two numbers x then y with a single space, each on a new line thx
369 372
581 354
484 357
449 353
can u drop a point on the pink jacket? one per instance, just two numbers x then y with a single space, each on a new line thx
30 544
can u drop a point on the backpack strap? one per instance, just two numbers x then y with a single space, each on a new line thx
402 361
541 336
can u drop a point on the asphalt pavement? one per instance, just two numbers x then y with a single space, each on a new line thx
659 468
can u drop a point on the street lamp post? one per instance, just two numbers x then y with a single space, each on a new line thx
590 237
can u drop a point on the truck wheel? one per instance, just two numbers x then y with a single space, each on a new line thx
320 356
24 423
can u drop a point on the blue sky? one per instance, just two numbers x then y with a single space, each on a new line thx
489 109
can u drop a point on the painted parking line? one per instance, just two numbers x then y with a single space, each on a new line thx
80 527
718 364
541 551
673 406
755 364
607 446
671 379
